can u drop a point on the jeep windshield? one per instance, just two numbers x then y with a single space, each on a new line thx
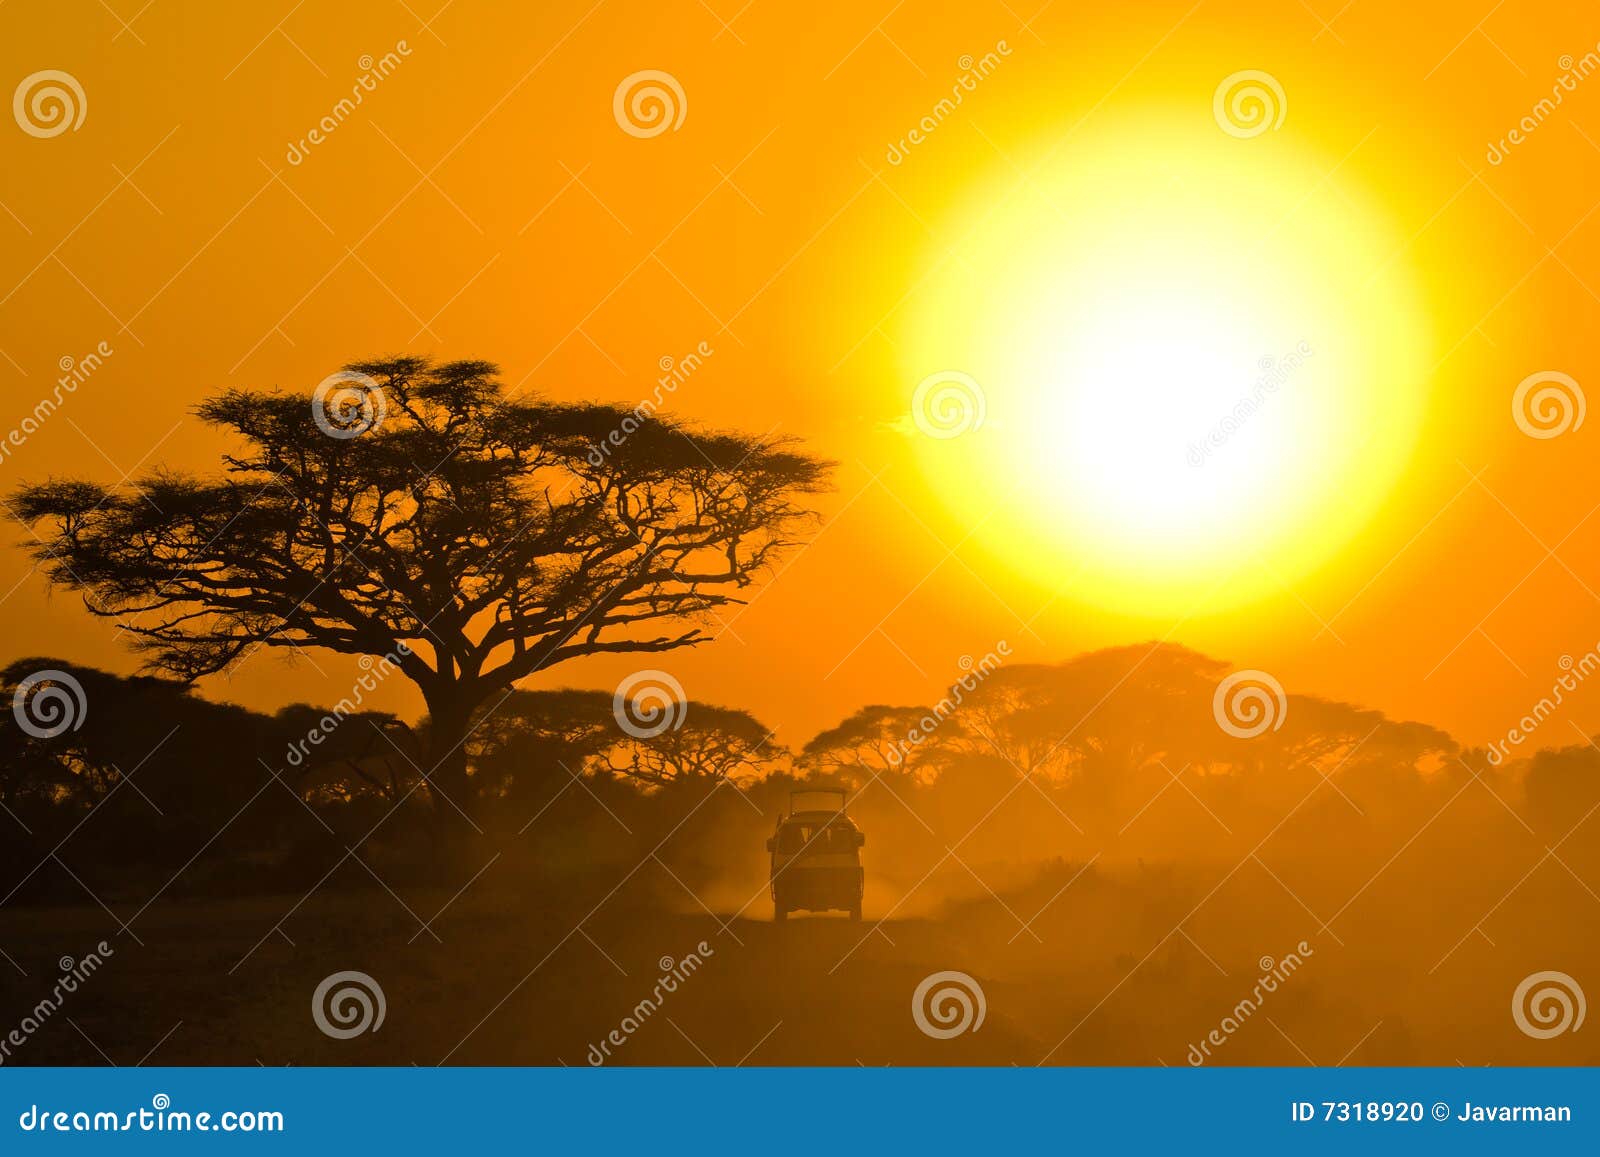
815 839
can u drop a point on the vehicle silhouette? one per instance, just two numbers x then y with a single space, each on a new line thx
816 856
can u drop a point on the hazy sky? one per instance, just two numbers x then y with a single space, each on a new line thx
483 199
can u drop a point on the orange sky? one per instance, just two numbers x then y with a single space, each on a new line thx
482 201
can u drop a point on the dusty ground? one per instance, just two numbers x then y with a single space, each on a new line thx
1100 972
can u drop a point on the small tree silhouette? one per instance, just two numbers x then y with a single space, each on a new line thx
475 537
713 744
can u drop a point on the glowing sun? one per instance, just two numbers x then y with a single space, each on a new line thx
1199 364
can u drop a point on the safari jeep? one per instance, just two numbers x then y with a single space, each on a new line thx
816 857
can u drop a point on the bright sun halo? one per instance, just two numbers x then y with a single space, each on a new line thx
1201 368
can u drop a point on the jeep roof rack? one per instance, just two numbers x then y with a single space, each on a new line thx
842 794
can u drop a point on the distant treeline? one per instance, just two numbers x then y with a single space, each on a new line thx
1116 754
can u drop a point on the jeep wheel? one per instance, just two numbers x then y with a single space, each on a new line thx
780 914
855 912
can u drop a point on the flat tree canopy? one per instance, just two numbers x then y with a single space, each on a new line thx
473 537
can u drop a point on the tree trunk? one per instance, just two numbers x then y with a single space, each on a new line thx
446 764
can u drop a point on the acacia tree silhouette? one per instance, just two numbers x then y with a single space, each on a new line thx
476 537
714 743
